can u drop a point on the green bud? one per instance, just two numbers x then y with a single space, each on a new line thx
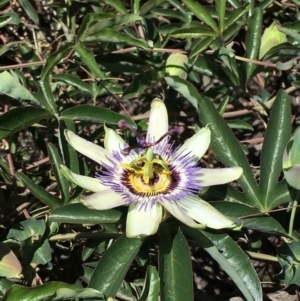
176 65
271 38
291 161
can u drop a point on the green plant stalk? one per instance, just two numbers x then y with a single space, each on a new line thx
293 213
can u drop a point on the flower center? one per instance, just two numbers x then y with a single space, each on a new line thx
149 174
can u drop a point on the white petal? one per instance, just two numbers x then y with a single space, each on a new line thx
102 200
113 141
89 149
205 213
219 176
197 145
158 120
88 183
143 221
180 214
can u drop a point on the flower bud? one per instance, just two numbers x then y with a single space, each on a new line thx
176 65
271 38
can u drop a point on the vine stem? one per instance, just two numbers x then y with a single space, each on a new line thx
293 213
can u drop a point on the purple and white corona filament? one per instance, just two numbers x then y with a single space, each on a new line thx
154 179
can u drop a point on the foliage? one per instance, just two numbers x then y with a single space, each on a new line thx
80 65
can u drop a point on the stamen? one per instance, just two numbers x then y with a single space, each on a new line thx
141 143
123 125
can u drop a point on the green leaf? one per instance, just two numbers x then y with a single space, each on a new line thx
235 3
94 114
186 89
112 21
232 259
117 5
222 106
289 258
193 33
14 20
202 14
8 46
4 20
40 193
236 15
114 264
87 20
11 87
175 267
221 8
239 124
5 284
50 291
283 193
45 95
228 149
114 36
151 286
291 33
36 251
74 81
80 214
276 138
29 56
253 40
55 57
286 65
232 67
174 14
20 118
10 266
282 52
27 229
30 11
140 83
56 161
146 7
201 46
3 2
250 217
87 57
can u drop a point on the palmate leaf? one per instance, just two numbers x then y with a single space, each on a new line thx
232 259
277 135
